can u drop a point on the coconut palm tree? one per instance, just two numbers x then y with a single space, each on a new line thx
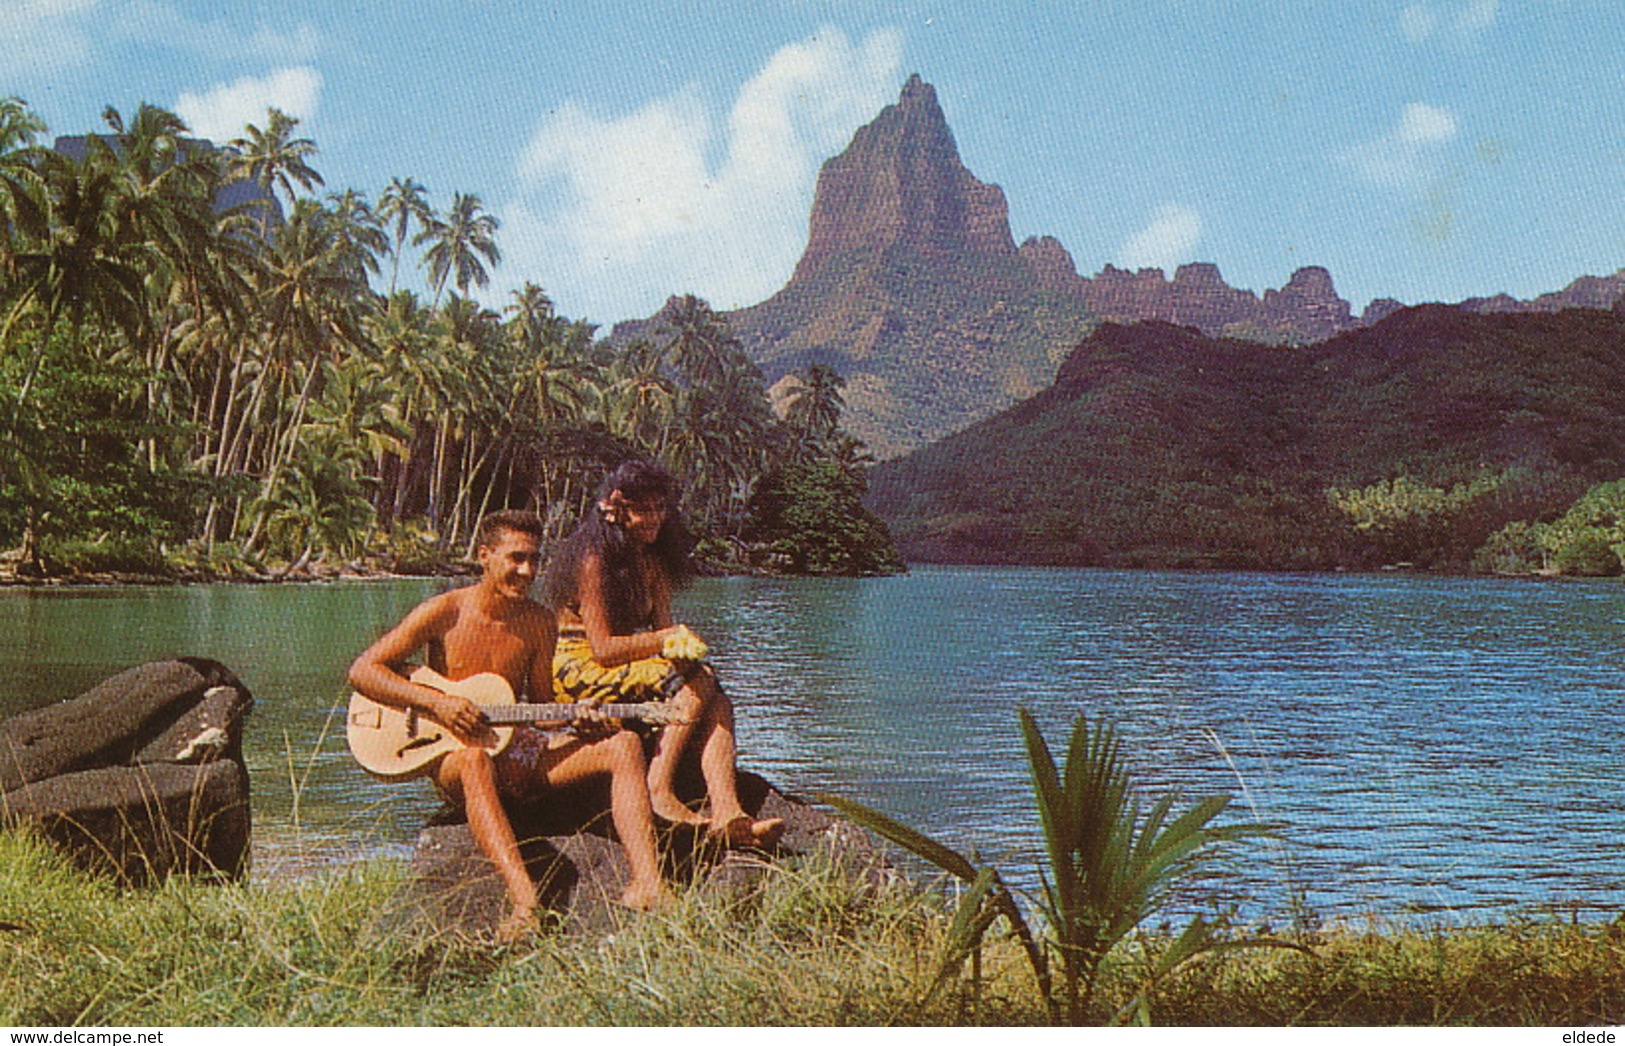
19 125
641 398
275 160
407 357
457 372
167 188
358 233
313 304
815 406
72 259
457 241
698 341
402 203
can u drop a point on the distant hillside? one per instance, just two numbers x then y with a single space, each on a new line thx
1587 292
1158 445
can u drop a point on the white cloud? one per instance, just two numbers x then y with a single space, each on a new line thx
39 37
43 36
1169 240
1423 124
1461 25
1417 23
617 213
221 112
1410 155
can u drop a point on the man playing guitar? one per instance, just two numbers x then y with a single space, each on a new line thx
495 626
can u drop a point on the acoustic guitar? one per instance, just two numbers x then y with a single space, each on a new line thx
397 744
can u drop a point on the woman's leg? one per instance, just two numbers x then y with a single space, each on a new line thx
713 732
670 744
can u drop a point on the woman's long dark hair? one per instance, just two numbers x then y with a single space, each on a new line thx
635 481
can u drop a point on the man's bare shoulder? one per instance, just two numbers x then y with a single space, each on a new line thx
534 615
440 613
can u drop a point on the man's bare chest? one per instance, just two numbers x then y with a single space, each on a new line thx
478 645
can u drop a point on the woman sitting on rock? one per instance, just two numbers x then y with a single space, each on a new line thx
611 584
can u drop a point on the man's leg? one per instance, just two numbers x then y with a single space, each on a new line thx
468 776
621 756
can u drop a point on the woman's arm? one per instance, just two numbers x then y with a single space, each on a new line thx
539 687
609 649
659 595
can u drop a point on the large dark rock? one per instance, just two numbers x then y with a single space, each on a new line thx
580 869
141 777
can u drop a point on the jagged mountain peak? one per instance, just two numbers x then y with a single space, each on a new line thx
900 184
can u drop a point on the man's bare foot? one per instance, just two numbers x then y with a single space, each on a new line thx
669 811
518 926
646 897
742 832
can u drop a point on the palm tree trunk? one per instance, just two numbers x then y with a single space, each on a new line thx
282 450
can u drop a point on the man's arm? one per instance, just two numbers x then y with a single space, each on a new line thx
374 673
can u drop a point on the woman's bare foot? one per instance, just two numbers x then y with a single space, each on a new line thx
646 897
742 832
518 926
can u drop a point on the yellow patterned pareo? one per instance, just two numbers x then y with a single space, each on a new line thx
577 677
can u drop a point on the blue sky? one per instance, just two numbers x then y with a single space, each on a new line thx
1427 150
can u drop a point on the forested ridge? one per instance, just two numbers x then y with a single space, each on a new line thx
1437 438
199 390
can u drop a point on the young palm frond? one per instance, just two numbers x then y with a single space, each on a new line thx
1111 865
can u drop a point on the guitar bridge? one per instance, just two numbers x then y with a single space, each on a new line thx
418 742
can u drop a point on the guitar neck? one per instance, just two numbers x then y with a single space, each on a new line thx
542 713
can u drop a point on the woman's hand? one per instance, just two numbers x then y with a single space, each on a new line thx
681 644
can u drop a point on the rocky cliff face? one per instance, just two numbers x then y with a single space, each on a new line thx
1307 309
911 286
1587 292
901 186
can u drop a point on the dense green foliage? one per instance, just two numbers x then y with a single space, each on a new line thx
1588 539
811 513
1412 441
188 383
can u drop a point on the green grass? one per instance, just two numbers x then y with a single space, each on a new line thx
808 946
1543 974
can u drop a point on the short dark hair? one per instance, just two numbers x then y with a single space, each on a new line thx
517 520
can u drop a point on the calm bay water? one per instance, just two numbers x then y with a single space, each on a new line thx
1438 749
